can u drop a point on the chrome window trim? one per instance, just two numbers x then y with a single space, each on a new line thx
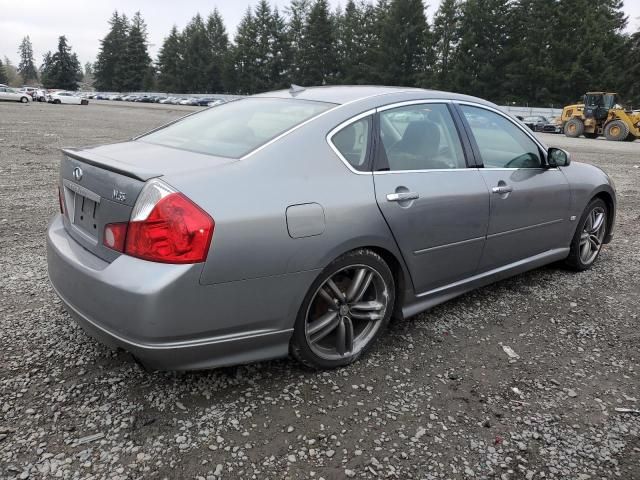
407 103
427 170
523 128
346 123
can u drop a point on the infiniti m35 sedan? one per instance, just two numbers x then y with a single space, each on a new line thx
300 222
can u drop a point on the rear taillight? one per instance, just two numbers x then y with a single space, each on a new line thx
165 227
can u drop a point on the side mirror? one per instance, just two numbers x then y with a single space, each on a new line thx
556 157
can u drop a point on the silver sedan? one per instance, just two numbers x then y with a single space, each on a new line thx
300 222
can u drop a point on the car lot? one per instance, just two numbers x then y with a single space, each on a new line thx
438 397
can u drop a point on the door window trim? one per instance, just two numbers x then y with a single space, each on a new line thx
370 141
523 128
467 152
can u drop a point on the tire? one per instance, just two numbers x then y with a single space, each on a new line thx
57 102
591 135
341 323
24 100
574 128
616 131
576 260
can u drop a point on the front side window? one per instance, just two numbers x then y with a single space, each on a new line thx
501 143
352 143
421 137
236 128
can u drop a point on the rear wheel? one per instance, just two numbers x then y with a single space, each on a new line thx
24 99
616 131
345 311
587 241
574 128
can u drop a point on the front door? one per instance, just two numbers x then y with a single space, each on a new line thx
436 207
529 201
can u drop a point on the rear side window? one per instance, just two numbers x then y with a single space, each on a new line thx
236 128
421 137
353 141
501 143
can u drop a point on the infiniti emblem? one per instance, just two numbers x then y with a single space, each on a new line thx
77 173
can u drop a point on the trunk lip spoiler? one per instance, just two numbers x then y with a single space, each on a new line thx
107 163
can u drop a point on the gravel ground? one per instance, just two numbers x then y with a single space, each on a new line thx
438 397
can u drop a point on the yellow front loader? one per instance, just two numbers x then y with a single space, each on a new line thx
601 114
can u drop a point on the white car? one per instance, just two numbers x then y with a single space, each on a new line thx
66 97
13 95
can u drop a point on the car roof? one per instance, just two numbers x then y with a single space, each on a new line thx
351 93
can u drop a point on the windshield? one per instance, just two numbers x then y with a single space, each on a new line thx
236 128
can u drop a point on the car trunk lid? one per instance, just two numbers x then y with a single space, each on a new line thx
100 185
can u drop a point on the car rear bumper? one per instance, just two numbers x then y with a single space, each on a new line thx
164 316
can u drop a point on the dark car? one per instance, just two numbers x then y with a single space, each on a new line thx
535 123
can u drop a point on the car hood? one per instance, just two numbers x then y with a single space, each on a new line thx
141 160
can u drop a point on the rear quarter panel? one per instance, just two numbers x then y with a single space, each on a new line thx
248 200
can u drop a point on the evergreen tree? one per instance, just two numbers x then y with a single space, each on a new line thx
27 67
480 58
136 62
631 85
87 76
219 48
356 41
242 55
196 57
297 13
446 31
62 69
109 69
318 60
404 43
3 74
169 62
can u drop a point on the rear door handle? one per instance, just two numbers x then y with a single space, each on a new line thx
502 189
402 196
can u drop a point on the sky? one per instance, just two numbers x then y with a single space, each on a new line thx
84 22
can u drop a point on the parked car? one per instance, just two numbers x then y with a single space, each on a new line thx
188 101
554 125
167 100
9 94
301 223
68 98
215 103
536 122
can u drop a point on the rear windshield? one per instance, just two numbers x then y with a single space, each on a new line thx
236 128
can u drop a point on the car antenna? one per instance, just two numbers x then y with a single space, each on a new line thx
295 89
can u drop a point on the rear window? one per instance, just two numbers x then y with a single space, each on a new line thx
236 128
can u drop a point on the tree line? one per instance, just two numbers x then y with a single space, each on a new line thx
536 52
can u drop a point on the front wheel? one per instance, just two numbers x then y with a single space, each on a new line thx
24 99
587 241
574 128
616 131
345 311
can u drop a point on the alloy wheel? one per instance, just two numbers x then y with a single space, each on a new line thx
346 312
592 235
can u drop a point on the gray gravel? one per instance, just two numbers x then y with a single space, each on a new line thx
439 397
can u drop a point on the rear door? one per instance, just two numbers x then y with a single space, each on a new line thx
529 201
436 206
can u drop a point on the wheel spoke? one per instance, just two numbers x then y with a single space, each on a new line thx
336 291
323 326
363 287
599 221
344 336
585 250
373 305
356 283
595 242
589 223
332 301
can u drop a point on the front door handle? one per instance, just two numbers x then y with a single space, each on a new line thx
402 196
502 189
